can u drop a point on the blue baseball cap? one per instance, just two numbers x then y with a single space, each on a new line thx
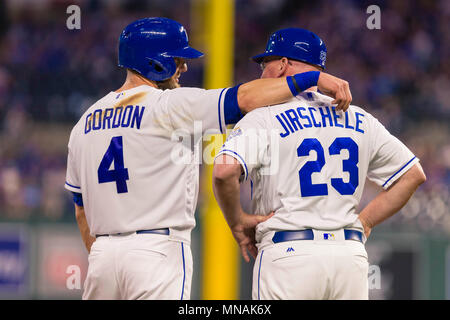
297 44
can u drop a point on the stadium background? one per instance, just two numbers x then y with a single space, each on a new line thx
49 75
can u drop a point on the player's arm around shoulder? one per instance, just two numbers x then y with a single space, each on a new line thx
216 108
270 91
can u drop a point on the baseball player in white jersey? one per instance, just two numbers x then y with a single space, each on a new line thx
307 163
134 202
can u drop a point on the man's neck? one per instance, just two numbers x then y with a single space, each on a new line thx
134 80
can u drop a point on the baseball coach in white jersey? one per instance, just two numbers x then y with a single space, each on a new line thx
134 205
308 163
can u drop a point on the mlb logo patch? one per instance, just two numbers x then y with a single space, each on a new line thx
236 132
328 236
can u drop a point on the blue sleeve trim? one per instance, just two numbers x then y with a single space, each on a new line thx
218 110
232 112
399 170
237 154
72 185
78 198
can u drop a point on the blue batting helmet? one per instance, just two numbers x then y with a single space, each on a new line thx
149 46
297 44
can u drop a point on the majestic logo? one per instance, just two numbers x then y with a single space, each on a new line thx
290 249
328 236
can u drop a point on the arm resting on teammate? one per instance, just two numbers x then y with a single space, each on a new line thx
263 92
226 173
84 228
390 201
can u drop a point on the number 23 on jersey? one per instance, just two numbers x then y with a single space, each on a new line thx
309 189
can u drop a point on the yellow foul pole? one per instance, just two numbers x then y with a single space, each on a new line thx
220 252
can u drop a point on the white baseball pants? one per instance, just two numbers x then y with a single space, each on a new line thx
311 270
138 266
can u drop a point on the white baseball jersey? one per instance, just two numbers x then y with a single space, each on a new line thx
308 162
127 159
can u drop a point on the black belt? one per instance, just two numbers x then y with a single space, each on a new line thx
308 234
164 231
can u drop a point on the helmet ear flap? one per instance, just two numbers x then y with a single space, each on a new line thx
160 68
156 66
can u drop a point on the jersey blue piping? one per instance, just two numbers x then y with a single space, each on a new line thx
399 171
184 270
218 110
259 272
72 185
245 165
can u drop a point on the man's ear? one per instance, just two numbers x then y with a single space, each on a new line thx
283 66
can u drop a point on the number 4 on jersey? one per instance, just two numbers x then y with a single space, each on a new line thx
120 173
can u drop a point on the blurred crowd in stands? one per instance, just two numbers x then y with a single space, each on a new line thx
49 75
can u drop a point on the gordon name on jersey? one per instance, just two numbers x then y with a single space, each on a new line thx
111 118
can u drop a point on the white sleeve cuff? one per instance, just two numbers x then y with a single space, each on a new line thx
72 187
400 172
